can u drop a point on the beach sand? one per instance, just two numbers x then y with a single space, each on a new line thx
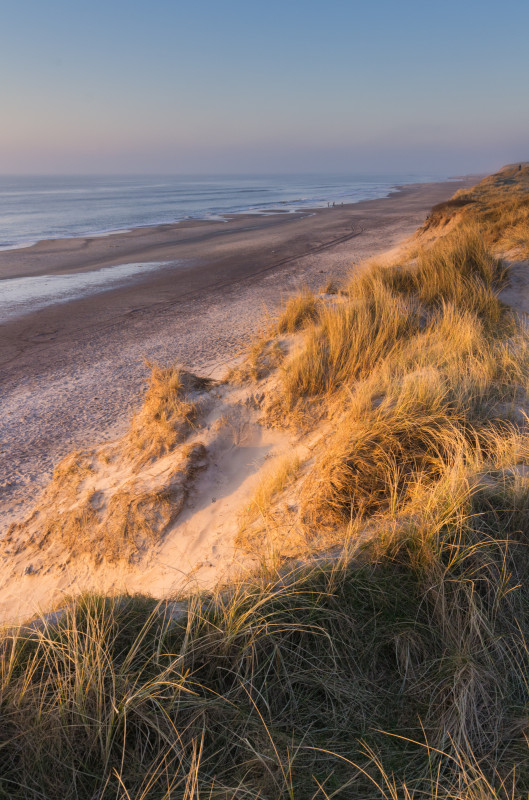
72 373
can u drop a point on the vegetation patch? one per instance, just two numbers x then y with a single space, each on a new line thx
297 311
167 415
409 670
499 204
261 358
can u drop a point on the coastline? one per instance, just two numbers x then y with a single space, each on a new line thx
77 368
152 201
92 251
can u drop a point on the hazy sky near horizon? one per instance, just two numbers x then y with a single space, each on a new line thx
93 86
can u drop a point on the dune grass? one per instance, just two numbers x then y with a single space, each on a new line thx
275 480
347 342
421 372
261 357
456 269
166 416
120 526
297 311
388 307
451 393
296 686
119 516
499 204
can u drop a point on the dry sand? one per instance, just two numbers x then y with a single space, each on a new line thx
68 545
73 373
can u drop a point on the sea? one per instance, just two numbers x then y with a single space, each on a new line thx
34 208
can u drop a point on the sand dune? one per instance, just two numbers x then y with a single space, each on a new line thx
108 521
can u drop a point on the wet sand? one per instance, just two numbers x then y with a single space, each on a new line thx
72 373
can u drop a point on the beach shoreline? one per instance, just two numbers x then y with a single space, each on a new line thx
71 254
72 373
34 209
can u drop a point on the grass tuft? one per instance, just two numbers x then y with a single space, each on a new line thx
297 311
347 343
167 414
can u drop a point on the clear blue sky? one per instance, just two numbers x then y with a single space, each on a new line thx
263 85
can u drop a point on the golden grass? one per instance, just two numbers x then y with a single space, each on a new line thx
166 416
387 307
460 270
274 481
120 521
297 311
331 287
73 469
456 269
347 342
376 453
499 204
420 370
263 503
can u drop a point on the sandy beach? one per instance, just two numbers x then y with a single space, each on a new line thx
71 373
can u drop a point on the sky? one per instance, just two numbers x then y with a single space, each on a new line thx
267 86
